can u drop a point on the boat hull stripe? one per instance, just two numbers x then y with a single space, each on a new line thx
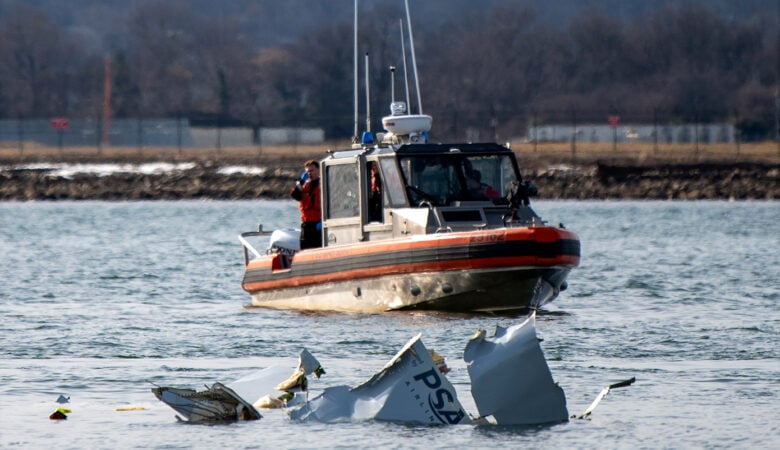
470 255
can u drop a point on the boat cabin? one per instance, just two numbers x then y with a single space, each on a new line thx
384 192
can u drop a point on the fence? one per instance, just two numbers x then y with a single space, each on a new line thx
558 140
635 133
146 133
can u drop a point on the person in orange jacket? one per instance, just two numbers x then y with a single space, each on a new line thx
307 192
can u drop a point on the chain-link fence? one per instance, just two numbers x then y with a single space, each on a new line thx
161 136
140 133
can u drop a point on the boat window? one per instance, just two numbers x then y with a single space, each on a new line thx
343 191
394 187
430 179
487 177
441 179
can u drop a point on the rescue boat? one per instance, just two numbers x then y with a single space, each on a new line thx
451 230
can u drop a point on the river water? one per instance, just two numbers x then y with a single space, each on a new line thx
99 300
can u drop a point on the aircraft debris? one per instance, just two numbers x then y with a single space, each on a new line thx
410 388
215 404
510 379
585 414
511 384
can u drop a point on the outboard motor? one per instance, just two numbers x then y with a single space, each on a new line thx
286 242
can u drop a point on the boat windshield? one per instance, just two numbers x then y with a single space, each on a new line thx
443 179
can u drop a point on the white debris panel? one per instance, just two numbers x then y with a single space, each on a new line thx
410 388
510 379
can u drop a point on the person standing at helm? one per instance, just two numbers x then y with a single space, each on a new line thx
374 193
307 192
477 189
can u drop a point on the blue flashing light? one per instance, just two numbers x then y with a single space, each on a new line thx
368 138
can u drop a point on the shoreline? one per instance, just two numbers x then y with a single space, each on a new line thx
597 172
690 181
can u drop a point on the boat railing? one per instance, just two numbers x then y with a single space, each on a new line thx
248 247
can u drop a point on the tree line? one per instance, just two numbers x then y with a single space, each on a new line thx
495 70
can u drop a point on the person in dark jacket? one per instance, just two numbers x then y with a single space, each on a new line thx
374 193
477 189
307 192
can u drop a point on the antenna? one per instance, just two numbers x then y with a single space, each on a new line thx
368 100
414 60
403 55
355 56
392 84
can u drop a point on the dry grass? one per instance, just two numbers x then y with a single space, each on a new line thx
529 153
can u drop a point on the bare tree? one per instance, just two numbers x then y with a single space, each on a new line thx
34 64
225 68
492 65
163 53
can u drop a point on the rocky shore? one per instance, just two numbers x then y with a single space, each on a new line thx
702 181
710 181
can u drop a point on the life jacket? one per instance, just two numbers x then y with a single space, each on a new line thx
309 203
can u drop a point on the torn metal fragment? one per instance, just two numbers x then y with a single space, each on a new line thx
409 389
510 379
215 404
439 360
585 414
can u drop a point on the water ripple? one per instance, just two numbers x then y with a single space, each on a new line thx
127 293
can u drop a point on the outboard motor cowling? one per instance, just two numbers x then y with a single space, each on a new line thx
286 241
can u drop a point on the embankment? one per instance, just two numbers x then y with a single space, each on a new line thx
738 181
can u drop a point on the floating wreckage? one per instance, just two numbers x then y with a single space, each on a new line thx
61 413
510 382
410 388
510 379
216 404
273 387
221 403
602 394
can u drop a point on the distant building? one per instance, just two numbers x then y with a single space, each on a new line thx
707 133
246 137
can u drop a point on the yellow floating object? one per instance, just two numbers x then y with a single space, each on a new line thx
296 380
59 414
131 408
268 402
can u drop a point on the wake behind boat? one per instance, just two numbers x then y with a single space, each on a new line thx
452 229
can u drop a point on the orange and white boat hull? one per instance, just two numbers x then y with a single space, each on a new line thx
499 270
